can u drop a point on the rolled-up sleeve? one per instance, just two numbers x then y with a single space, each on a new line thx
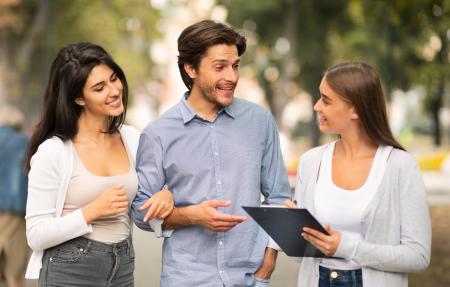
151 180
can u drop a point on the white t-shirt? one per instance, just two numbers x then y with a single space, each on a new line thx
343 209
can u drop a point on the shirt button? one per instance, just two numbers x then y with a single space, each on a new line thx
220 271
219 182
334 274
212 127
216 153
220 242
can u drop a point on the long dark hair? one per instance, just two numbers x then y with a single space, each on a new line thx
68 74
195 40
359 84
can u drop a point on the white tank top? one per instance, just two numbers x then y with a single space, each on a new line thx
84 187
343 209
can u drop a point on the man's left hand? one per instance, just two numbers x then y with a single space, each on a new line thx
268 266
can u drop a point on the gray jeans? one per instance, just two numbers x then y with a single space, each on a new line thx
83 262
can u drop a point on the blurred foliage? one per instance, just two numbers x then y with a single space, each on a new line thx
40 28
124 27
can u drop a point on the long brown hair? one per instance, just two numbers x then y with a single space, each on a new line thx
68 74
359 84
195 40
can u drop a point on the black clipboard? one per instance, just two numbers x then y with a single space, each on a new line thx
284 226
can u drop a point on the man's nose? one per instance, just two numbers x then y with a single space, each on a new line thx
232 75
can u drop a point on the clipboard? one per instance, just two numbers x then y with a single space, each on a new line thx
284 226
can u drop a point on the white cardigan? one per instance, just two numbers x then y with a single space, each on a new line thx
396 224
51 168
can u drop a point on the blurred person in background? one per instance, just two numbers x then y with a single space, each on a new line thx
216 153
364 188
82 178
14 250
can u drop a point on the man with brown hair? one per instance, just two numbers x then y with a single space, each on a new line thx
216 154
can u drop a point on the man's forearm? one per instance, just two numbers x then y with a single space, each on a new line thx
271 254
180 217
268 265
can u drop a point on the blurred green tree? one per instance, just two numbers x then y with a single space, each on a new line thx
38 29
407 41
434 73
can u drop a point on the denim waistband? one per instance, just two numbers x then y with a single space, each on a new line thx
337 273
89 244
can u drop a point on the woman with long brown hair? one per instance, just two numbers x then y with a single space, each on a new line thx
82 176
364 188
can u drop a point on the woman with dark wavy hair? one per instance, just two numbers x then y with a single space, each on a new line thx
364 188
82 178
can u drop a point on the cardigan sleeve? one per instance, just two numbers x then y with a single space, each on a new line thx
44 227
412 253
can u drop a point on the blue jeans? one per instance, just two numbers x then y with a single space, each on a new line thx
340 278
81 262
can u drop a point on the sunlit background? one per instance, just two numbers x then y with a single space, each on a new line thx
290 44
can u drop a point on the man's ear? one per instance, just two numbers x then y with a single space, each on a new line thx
80 101
190 70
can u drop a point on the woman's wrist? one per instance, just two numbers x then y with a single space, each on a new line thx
88 214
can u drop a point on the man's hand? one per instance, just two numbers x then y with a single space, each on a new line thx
204 214
266 269
207 215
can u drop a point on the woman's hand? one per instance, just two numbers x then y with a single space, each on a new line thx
160 205
289 204
327 244
110 202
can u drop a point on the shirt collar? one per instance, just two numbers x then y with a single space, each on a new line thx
188 114
229 110
186 111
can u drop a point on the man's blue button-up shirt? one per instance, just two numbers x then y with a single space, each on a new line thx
237 157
